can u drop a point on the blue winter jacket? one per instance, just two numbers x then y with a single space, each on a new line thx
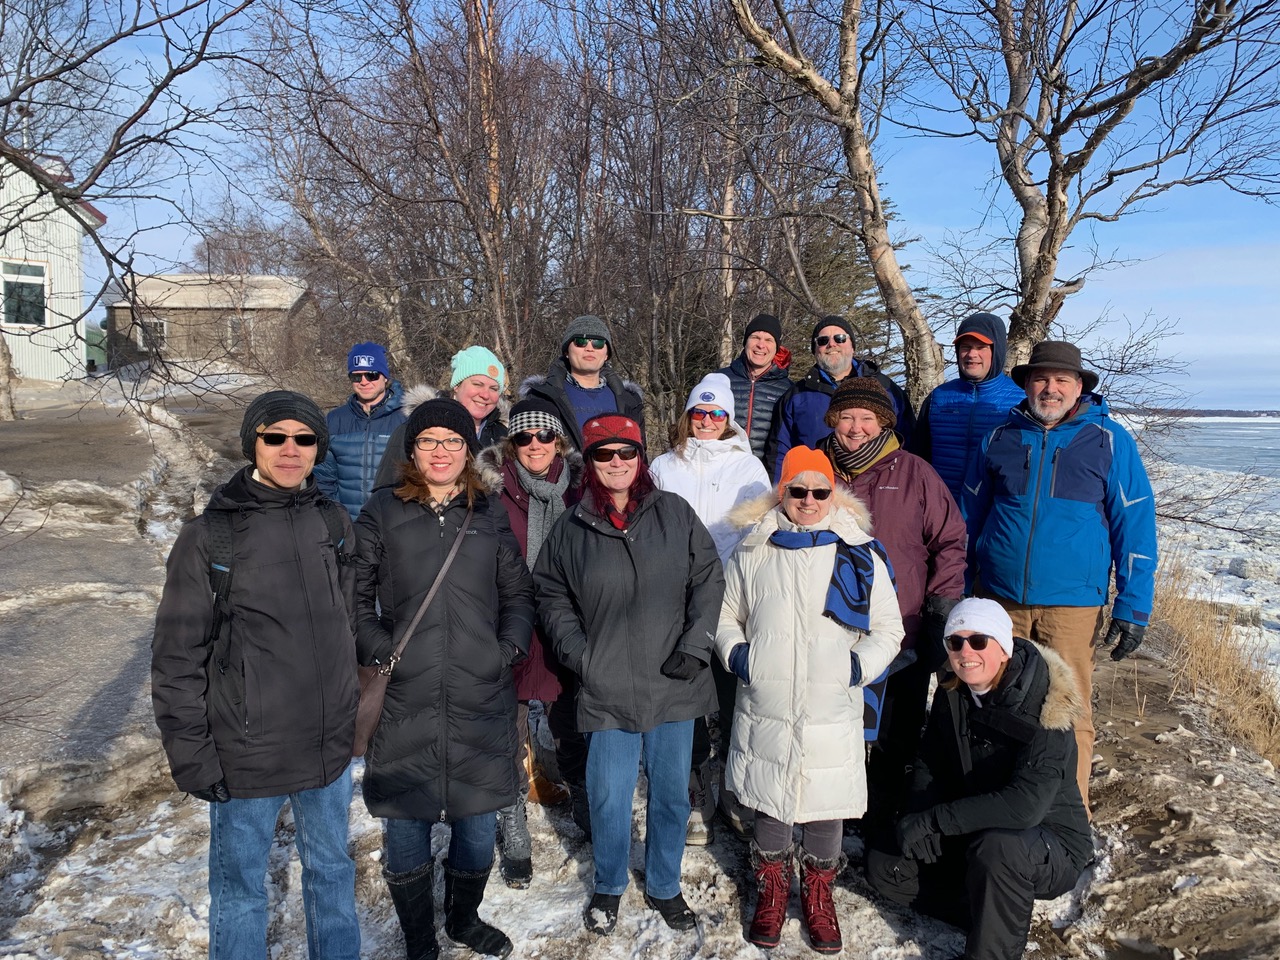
799 419
954 419
356 442
1050 512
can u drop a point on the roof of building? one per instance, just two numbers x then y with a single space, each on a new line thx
211 291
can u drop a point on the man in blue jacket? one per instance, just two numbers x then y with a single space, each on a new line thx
1056 498
959 413
360 428
799 419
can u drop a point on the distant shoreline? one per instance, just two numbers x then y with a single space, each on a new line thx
1187 414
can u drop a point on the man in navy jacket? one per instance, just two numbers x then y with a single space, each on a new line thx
1057 497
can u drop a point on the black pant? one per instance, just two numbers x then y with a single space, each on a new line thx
726 695
985 883
571 746
902 716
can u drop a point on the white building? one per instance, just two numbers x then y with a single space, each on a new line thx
41 270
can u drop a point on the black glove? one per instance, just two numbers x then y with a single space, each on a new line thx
681 666
215 794
933 624
919 837
738 661
1129 634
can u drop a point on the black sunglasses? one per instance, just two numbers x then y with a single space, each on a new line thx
799 493
977 643
278 439
360 375
605 456
838 338
524 438
595 342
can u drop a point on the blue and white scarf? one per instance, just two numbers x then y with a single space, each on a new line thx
849 593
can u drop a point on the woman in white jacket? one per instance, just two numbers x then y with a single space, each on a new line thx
712 467
810 615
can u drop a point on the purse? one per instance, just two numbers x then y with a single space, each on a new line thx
374 677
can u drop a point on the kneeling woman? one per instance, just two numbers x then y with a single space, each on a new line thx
997 819
442 752
809 617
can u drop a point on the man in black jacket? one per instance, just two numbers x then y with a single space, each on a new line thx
262 710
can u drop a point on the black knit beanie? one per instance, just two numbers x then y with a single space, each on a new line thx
834 320
441 412
280 405
764 323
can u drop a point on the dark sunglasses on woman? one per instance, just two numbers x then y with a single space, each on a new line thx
977 643
717 416
526 437
799 493
604 456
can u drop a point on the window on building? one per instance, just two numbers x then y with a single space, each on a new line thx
152 332
24 299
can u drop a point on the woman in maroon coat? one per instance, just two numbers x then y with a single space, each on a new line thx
916 519
540 474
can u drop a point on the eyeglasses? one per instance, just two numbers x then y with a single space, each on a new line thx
452 444
717 416
523 439
596 342
601 455
834 338
977 643
799 493
361 376
278 439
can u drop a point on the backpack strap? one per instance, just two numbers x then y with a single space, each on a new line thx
337 533
221 546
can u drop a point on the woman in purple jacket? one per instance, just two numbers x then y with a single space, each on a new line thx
540 473
917 520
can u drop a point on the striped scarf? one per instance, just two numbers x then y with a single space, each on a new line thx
850 463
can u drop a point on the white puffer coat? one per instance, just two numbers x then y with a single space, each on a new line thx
798 753
714 476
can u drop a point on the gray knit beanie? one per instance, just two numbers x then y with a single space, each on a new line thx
586 326
277 405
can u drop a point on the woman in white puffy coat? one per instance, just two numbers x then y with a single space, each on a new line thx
809 616
712 467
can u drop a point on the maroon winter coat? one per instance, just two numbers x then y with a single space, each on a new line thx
916 519
539 676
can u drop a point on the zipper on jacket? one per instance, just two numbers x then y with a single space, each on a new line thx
291 513
1035 509
751 402
1053 473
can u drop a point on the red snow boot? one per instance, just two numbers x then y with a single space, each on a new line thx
773 890
816 878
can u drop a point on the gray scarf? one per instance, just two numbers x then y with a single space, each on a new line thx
546 502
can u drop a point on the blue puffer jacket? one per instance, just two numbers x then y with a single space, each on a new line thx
1051 511
799 419
754 400
356 442
954 419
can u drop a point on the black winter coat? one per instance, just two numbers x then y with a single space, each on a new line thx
1010 764
446 744
615 604
551 388
279 717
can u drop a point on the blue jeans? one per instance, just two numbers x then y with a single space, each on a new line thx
613 758
240 836
408 843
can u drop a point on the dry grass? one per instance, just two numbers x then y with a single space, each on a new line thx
1218 658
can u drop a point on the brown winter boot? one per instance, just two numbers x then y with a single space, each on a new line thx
816 878
542 790
773 890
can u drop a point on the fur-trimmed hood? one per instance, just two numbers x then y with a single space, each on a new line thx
849 517
561 369
492 458
422 392
1063 705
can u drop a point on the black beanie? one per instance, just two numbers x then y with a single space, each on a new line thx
440 412
834 320
764 323
280 405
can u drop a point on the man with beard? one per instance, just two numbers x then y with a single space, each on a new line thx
1056 498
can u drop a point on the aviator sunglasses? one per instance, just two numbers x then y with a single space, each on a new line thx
524 438
799 493
360 376
717 416
278 439
836 338
605 456
977 643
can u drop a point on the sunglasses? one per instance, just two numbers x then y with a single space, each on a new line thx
278 439
606 456
545 435
799 493
835 338
717 416
452 444
595 342
977 643
361 377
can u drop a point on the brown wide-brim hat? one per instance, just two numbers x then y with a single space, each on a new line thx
1055 355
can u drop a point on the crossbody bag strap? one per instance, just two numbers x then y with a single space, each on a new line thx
387 667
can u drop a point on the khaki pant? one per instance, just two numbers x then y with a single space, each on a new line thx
1072 633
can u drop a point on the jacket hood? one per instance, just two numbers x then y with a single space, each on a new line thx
1092 408
991 327
850 518
242 492
493 458
1063 706
420 394
695 449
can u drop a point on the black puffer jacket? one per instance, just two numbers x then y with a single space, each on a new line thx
628 395
446 743
280 716
754 399
615 604
1012 763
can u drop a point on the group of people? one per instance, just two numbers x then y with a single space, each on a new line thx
803 562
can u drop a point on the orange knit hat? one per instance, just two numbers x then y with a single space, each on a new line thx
803 460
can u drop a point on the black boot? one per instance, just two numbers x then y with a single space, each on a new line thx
463 894
581 808
412 894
